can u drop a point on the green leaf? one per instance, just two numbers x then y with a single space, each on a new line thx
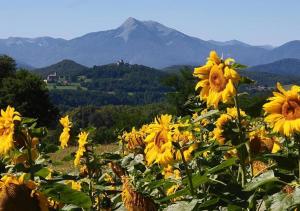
179 193
283 201
65 194
182 206
27 121
197 180
262 179
111 156
44 172
38 132
160 183
233 207
225 164
238 66
208 114
70 208
245 80
205 205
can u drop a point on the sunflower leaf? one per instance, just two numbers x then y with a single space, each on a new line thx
262 179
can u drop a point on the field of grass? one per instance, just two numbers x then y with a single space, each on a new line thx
63 158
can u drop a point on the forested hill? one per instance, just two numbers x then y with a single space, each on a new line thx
118 84
63 68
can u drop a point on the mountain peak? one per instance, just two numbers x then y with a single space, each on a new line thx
130 22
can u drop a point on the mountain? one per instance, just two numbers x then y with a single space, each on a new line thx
284 67
62 68
139 42
230 42
287 50
23 65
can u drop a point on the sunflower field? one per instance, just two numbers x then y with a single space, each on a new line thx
219 158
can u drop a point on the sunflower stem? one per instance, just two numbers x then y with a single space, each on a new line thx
90 174
187 172
242 150
298 143
30 160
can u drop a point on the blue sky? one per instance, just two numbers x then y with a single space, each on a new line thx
253 21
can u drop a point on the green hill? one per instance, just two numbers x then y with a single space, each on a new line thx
65 68
116 84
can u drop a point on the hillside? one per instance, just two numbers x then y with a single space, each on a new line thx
286 67
63 68
117 84
139 42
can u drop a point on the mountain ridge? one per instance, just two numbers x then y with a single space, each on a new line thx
139 42
289 66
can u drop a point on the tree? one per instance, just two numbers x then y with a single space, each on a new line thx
29 95
183 94
7 66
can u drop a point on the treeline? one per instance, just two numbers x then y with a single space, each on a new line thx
125 77
109 121
69 99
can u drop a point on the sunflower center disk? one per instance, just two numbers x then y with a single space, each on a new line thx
216 79
291 109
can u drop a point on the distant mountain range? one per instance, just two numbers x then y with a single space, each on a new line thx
284 67
139 42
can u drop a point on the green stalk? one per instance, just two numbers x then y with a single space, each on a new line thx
90 175
30 160
298 142
188 173
242 150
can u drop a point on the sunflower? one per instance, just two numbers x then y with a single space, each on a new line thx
133 200
170 172
7 127
218 132
161 135
65 135
217 80
82 140
159 141
260 142
283 110
17 193
134 138
73 184
172 190
258 167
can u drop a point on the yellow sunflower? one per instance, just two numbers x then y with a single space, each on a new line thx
133 200
221 122
17 193
260 142
7 126
170 172
82 140
283 110
217 80
259 167
65 135
73 184
159 141
134 139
